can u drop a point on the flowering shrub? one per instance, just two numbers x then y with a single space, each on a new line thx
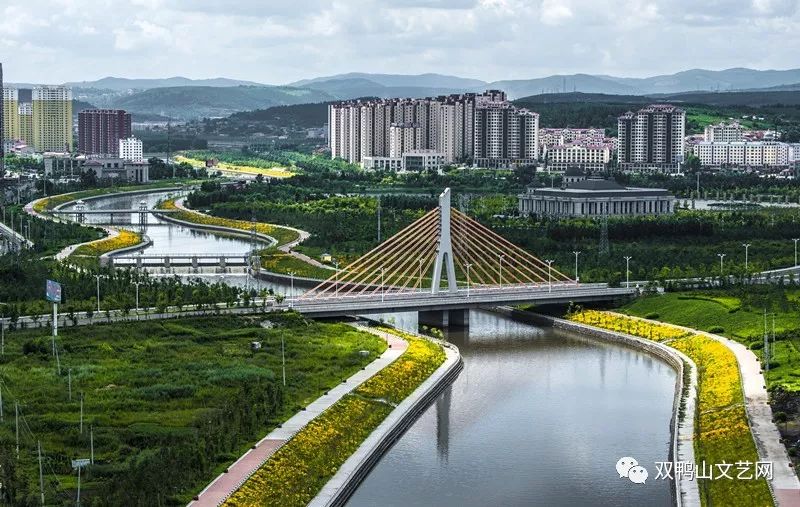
301 467
615 322
124 239
722 431
282 234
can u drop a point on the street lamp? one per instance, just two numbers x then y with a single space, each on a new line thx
628 271
549 275
746 248
501 270
468 266
420 274
795 249
577 253
137 284
383 270
336 278
291 290
721 258
97 277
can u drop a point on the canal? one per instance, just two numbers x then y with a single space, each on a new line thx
537 417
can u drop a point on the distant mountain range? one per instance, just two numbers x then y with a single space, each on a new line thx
359 84
185 99
121 83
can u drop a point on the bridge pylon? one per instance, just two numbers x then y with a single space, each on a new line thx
444 253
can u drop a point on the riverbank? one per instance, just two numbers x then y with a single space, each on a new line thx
305 464
165 420
723 432
685 401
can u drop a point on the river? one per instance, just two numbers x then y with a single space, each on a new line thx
538 416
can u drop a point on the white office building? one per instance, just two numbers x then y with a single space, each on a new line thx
589 157
130 149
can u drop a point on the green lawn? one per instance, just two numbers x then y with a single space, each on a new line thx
738 317
171 402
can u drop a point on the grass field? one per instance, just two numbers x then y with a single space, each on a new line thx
743 320
271 172
171 403
277 262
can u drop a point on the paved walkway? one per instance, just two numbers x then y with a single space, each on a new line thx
784 484
226 483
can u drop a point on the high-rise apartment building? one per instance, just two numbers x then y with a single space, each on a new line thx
446 125
652 138
100 131
130 149
26 122
505 135
52 118
10 114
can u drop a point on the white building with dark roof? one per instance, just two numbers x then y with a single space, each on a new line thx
595 198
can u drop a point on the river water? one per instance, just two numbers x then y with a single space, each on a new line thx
538 416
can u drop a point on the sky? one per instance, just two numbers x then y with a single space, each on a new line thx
278 41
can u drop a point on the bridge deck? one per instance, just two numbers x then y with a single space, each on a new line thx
109 211
490 296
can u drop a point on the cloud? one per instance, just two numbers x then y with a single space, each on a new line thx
555 12
284 40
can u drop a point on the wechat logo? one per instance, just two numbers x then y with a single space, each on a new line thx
630 468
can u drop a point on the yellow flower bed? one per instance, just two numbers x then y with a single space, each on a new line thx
721 429
621 324
297 471
282 234
272 172
124 239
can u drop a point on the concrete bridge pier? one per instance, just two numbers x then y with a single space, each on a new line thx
444 318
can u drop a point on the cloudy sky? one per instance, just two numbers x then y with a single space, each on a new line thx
279 41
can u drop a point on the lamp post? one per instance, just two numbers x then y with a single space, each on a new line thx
3 331
469 265
795 249
549 275
420 274
137 284
97 277
291 289
501 270
721 266
746 248
336 278
383 271
628 271
577 253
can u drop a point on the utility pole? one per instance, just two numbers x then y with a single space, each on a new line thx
91 444
549 275
283 359
69 383
577 253
379 218
97 277
41 478
81 423
795 249
16 425
721 265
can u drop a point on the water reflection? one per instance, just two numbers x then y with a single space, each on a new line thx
537 417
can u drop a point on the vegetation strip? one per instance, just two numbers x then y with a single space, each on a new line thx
283 235
125 239
236 164
299 469
722 429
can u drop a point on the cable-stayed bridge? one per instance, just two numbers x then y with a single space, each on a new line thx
441 265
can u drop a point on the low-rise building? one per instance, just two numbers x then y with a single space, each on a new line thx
595 198
413 160
62 165
590 157
555 136
743 154
724 132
